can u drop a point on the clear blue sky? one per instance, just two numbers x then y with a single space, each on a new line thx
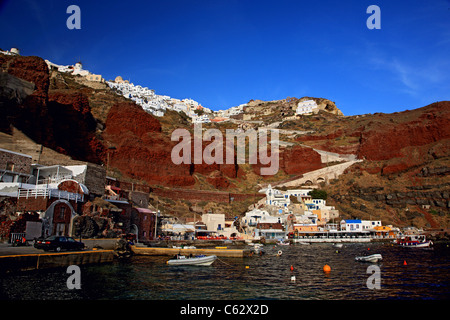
224 53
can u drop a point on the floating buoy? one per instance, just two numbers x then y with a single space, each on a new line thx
337 251
404 263
247 267
292 268
368 249
293 278
279 253
326 268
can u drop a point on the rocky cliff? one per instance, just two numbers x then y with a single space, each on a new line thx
405 165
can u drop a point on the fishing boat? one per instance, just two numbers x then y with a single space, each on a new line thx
199 260
414 241
372 258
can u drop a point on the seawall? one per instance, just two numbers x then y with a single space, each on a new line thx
24 262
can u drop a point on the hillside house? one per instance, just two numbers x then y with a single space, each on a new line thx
95 77
306 107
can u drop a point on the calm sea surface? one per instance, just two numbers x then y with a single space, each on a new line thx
426 276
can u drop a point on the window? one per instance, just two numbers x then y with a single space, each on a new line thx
61 212
9 166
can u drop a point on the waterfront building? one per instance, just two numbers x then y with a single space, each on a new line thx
305 227
270 231
143 223
352 225
370 224
216 222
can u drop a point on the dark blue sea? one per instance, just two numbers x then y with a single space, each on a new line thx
425 276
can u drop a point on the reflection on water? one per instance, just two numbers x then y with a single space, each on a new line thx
267 277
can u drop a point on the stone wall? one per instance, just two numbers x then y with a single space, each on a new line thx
21 162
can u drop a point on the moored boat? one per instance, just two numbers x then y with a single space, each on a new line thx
414 241
200 260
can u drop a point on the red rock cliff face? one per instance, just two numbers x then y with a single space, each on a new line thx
295 160
70 127
299 160
387 141
58 120
142 151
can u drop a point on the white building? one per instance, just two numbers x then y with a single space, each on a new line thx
255 216
306 107
279 198
216 222
78 70
370 224
12 52
352 225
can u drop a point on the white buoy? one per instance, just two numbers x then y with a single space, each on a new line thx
292 278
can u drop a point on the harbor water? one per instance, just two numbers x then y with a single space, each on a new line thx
405 273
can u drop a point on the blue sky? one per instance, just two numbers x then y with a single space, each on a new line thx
224 53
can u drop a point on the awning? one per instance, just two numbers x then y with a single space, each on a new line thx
144 210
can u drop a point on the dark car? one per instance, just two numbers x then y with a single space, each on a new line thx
58 243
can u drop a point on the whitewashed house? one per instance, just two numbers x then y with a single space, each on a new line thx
306 107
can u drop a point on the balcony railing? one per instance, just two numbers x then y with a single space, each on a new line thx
50 193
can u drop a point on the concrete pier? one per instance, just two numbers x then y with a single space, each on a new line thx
24 262
235 253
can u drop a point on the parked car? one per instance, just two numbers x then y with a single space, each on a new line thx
58 243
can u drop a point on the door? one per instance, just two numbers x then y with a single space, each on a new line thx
60 228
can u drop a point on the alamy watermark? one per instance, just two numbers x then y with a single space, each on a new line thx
213 153
374 281
74 20
74 280
374 21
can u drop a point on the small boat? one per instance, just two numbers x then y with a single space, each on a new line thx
414 241
338 245
257 248
304 243
372 258
283 243
199 260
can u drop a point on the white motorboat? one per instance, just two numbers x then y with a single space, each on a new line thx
200 260
372 258
283 243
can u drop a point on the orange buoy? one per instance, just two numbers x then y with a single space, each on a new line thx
326 268
292 268
404 263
